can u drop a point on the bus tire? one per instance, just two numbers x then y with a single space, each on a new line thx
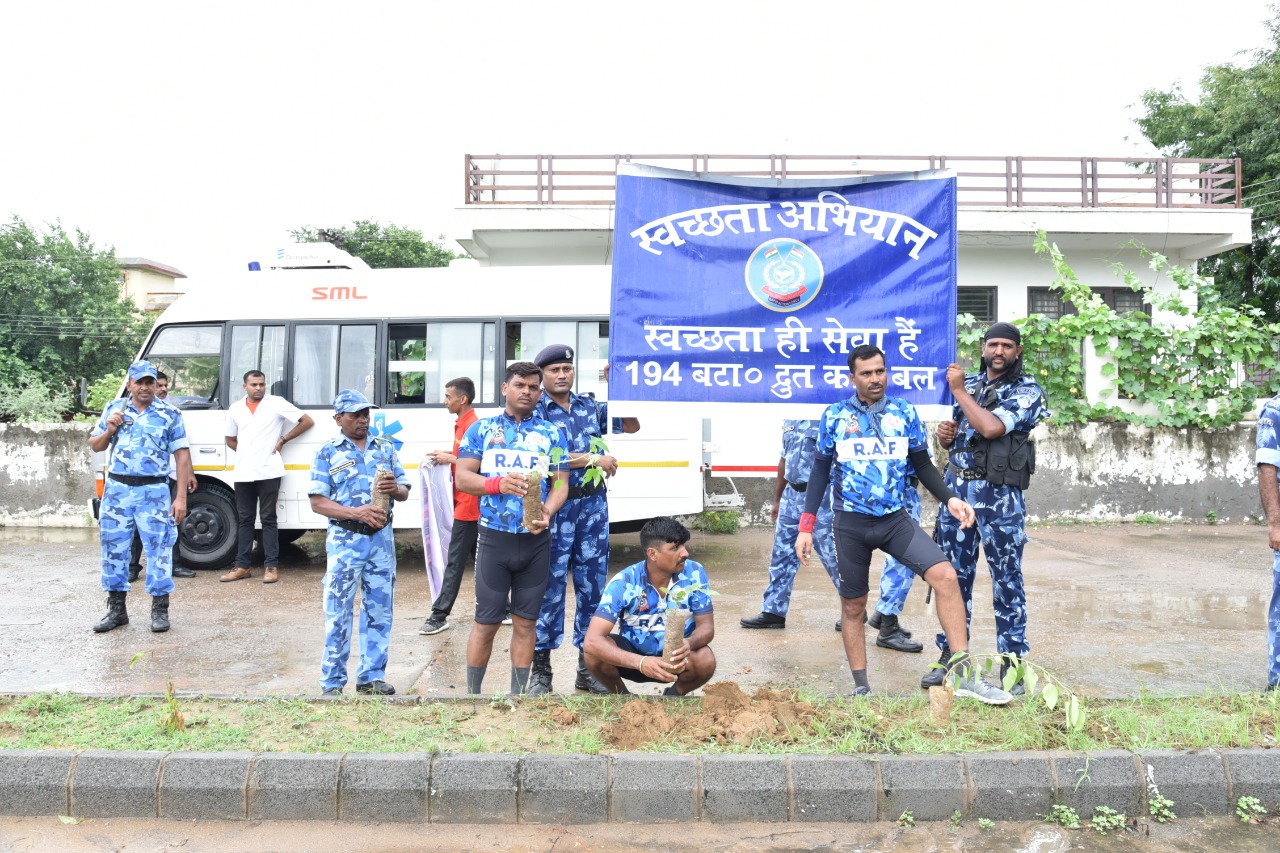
208 538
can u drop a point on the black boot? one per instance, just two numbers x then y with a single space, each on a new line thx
116 614
160 613
180 571
938 674
874 622
540 674
585 680
892 636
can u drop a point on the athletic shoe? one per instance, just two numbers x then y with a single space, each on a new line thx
969 684
434 626
506 621
861 691
331 691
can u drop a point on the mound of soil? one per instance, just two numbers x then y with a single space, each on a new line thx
726 715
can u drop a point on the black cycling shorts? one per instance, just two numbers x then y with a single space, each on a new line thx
510 566
897 534
627 672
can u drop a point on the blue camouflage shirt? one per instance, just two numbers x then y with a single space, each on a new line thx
1019 404
869 447
1268 440
632 603
586 419
145 440
344 473
799 442
504 445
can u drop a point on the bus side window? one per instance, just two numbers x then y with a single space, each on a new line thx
191 356
330 357
257 347
422 357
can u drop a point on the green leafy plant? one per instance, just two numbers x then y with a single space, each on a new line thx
1106 820
594 475
717 521
31 400
956 818
907 819
1054 693
1064 816
1183 376
985 823
1249 809
1146 518
1211 516
1161 809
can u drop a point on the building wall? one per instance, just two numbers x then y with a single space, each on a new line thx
1096 471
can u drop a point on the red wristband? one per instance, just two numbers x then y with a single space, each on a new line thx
807 521
493 486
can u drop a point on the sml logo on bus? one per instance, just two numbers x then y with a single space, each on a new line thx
336 293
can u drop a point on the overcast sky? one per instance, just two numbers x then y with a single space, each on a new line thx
198 134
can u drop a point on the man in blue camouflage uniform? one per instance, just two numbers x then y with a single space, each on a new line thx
633 601
360 544
1268 458
512 560
799 438
867 442
141 433
580 532
998 403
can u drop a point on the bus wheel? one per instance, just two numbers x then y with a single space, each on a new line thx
209 531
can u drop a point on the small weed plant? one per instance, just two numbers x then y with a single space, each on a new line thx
1063 816
1106 820
1162 809
717 521
1211 517
1249 809
1146 518
907 819
956 817
985 823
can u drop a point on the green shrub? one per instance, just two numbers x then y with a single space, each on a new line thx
717 521
30 400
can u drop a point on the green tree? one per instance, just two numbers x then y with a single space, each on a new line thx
1235 117
382 247
61 314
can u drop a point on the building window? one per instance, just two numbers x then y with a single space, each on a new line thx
1122 300
978 301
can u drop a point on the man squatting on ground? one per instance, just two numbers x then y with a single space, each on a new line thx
1268 458
135 553
511 561
991 463
360 544
633 601
258 428
868 439
142 433
580 530
459 394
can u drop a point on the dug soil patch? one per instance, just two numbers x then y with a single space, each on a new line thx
726 716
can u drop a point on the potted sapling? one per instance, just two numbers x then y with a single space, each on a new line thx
534 477
677 614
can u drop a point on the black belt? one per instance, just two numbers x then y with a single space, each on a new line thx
965 473
130 480
799 487
357 526
584 491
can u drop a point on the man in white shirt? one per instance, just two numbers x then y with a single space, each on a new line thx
256 431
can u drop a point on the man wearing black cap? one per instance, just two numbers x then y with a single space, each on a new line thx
991 461
580 531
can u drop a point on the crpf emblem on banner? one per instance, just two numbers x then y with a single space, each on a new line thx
784 275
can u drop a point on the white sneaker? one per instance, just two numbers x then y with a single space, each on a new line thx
968 683
506 621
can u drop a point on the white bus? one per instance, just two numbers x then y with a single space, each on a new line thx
397 336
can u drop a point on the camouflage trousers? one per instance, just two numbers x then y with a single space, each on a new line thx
1000 512
579 547
1273 625
367 564
147 510
783 562
895 578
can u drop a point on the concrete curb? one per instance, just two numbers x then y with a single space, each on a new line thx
626 787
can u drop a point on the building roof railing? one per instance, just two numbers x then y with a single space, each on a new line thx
1079 182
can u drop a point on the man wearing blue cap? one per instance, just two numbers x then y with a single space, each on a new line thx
360 544
141 433
580 532
992 459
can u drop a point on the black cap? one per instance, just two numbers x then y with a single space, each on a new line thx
554 354
1004 331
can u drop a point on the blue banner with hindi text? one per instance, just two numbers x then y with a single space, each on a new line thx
754 291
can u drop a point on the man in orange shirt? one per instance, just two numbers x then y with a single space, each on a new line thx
459 394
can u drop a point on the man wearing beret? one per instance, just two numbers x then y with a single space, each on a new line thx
360 544
580 531
141 433
991 461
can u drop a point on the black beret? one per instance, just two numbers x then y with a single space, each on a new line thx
554 354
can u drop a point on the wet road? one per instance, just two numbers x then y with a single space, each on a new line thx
1114 610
